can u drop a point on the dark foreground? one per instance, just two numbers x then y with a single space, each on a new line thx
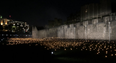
23 53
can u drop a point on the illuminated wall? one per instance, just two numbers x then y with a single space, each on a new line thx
94 24
17 24
3 21
97 30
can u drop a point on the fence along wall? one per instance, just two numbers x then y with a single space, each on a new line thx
97 30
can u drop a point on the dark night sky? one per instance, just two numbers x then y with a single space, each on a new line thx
39 12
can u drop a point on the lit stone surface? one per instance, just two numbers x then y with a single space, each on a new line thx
96 30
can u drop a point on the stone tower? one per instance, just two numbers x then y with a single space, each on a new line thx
95 10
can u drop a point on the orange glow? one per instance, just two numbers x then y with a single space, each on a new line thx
55 44
111 54
1 23
5 23
105 56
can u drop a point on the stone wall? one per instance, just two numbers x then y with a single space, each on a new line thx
97 30
95 10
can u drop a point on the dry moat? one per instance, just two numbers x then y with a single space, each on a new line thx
23 50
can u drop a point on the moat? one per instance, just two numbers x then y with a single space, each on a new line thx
49 51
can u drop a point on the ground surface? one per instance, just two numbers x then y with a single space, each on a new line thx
23 53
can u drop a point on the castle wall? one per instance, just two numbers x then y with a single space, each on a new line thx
42 33
113 30
98 29
95 10
60 32
35 32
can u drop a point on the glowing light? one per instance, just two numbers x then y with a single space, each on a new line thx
111 54
105 56
51 52
70 48
97 53
1 23
106 52
114 49
57 44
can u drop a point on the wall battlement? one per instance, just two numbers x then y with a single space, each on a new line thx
98 29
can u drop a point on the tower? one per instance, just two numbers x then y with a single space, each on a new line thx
95 10
105 7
